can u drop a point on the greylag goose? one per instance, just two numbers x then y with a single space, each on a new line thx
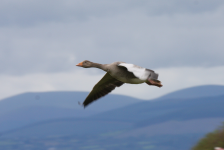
117 74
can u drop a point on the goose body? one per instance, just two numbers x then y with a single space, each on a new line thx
128 73
117 74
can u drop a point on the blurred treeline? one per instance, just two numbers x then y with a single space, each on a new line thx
211 140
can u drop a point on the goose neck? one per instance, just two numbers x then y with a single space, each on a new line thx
100 66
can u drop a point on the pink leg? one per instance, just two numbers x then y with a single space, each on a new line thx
155 83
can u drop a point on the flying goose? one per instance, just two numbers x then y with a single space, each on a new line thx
117 74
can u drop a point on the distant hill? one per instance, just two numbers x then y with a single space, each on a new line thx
174 116
29 108
205 113
196 92
152 112
63 100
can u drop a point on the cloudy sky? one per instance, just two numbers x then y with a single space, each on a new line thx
41 41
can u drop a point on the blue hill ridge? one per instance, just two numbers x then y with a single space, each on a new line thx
184 114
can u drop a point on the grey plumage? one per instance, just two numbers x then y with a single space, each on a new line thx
152 75
117 74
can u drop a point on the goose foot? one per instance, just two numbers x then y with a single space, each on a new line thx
154 82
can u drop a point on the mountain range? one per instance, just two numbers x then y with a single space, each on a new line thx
175 120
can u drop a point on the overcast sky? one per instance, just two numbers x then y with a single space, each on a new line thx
42 41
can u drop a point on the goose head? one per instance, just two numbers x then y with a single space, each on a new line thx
85 64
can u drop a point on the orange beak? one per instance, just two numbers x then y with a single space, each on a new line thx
79 64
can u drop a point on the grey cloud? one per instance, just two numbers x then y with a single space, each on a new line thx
128 33
29 13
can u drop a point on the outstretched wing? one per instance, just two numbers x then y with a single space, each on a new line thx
102 88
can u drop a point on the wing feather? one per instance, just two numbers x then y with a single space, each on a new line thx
102 88
139 72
